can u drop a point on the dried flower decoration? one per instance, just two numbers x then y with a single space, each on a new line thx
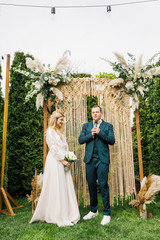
132 77
43 82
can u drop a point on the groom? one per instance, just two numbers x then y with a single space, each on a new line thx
97 135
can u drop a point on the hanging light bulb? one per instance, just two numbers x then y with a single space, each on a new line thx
108 8
53 10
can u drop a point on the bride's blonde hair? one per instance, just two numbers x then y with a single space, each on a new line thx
53 122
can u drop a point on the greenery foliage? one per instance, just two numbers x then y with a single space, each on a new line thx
125 225
25 132
80 75
91 101
106 75
149 110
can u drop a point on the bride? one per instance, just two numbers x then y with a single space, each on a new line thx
57 202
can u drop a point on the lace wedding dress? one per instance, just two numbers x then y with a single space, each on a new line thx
57 203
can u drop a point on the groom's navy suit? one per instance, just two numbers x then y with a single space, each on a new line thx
97 161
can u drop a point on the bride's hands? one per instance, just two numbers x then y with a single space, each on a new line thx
66 163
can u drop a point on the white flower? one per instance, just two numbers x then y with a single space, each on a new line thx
129 85
130 72
37 85
116 82
139 75
141 90
36 70
70 156
55 82
32 76
50 80
27 74
30 64
45 78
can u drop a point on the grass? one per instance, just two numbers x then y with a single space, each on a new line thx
125 225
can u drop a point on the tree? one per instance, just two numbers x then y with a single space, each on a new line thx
25 133
153 132
149 109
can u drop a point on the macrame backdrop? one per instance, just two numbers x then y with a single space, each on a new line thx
121 172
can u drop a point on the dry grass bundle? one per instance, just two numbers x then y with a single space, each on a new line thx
138 66
121 59
150 186
36 183
61 64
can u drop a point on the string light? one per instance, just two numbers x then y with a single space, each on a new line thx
80 6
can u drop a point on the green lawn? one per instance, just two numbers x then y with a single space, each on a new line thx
125 224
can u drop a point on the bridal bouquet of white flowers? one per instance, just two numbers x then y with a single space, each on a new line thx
70 157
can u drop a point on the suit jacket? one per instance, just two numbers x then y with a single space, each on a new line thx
105 137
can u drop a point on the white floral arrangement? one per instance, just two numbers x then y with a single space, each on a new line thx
132 77
44 82
70 157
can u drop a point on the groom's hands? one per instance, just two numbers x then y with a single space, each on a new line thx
95 131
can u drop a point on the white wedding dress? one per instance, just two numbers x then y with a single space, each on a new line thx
57 202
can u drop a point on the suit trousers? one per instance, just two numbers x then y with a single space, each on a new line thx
95 169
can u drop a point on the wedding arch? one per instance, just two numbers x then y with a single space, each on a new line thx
121 173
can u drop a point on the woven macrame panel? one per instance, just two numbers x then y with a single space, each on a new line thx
121 172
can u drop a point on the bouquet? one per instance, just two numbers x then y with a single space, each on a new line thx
70 157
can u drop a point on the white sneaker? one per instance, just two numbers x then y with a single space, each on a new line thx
90 215
106 219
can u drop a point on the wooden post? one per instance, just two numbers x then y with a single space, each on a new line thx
45 148
44 136
49 107
4 194
139 145
5 121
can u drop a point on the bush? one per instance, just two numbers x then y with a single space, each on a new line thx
149 110
25 133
